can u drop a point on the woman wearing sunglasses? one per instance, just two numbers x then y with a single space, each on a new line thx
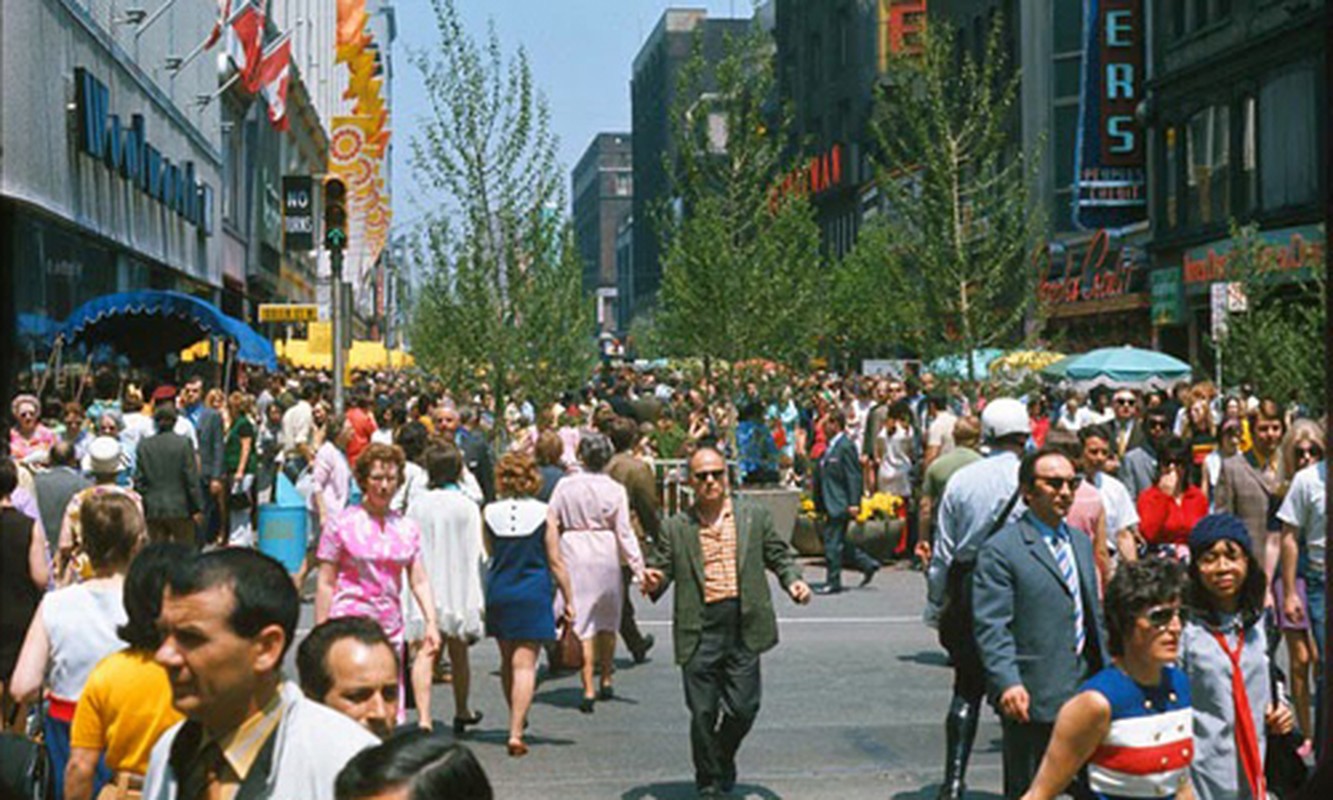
1300 613
1169 508
1224 654
1130 723
28 436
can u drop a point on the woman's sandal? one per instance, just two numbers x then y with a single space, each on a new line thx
587 704
517 748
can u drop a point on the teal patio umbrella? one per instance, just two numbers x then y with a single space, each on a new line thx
1126 366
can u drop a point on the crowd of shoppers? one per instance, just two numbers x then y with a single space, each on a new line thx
436 519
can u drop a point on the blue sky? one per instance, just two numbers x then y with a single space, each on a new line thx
581 53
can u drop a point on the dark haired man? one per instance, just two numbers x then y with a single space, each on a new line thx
167 477
838 490
349 665
227 620
1138 469
1037 618
641 488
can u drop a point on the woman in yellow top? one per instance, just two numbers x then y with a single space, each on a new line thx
126 704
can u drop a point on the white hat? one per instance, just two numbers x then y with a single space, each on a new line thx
1004 416
104 456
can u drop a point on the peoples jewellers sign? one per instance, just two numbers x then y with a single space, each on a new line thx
126 150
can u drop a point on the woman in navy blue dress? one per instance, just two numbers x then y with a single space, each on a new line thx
525 562
1131 723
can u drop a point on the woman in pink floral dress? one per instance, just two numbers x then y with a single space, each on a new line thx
365 550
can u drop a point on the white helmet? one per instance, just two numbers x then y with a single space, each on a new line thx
1004 416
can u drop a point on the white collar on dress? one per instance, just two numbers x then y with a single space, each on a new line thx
514 518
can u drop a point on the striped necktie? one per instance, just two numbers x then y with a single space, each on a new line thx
1064 559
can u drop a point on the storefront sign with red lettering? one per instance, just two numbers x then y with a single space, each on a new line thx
1102 270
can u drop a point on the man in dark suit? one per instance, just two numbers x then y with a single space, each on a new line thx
459 426
641 489
1126 431
167 478
838 496
1037 618
723 617
207 424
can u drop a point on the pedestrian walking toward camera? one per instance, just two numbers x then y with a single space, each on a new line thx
716 553
1038 621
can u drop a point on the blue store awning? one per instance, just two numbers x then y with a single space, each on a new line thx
153 323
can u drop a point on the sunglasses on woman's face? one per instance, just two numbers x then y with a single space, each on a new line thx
1160 616
1308 452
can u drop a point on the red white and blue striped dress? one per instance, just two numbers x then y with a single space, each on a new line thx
1148 750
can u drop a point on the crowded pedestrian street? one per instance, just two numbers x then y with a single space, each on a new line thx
605 400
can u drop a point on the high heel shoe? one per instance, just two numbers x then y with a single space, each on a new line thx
587 704
606 692
517 748
461 724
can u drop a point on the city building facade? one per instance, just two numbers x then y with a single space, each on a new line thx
603 192
653 97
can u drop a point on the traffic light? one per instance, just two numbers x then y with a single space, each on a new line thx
335 213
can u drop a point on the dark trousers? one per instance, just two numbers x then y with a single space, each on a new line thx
837 551
1024 746
629 628
178 529
722 693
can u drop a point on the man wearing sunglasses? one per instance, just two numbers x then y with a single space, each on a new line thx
1138 469
1126 432
1037 617
723 617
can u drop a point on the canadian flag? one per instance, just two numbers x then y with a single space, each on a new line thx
275 72
224 13
245 33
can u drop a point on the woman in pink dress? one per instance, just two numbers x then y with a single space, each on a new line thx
591 512
29 435
365 549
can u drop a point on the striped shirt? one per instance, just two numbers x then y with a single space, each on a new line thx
718 542
1150 745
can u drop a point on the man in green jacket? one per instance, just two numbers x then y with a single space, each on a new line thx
723 616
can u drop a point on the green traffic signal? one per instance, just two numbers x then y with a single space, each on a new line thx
335 213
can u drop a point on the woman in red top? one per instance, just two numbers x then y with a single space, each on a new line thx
1169 509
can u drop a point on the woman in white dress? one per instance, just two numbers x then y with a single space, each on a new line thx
893 450
455 559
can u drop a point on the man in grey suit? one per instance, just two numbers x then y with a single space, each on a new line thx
838 496
1138 469
167 478
212 440
55 486
1037 618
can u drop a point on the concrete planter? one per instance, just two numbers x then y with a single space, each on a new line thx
876 537
783 505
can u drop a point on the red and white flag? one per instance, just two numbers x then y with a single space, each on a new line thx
275 72
224 13
245 36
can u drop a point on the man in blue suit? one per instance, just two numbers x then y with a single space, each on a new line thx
838 496
1037 618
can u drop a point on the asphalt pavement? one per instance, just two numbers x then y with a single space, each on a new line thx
854 697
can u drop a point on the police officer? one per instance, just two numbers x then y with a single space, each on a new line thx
978 499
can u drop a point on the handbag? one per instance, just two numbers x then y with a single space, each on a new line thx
567 656
1285 772
238 496
25 768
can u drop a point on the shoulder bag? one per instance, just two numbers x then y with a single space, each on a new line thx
955 631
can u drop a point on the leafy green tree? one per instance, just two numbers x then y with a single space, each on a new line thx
502 304
948 258
1278 342
741 261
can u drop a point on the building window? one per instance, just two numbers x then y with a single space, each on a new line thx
1249 157
1208 147
622 185
1172 187
1068 24
1177 12
1288 155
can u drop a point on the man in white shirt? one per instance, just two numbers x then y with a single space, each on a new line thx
939 436
1122 517
298 425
